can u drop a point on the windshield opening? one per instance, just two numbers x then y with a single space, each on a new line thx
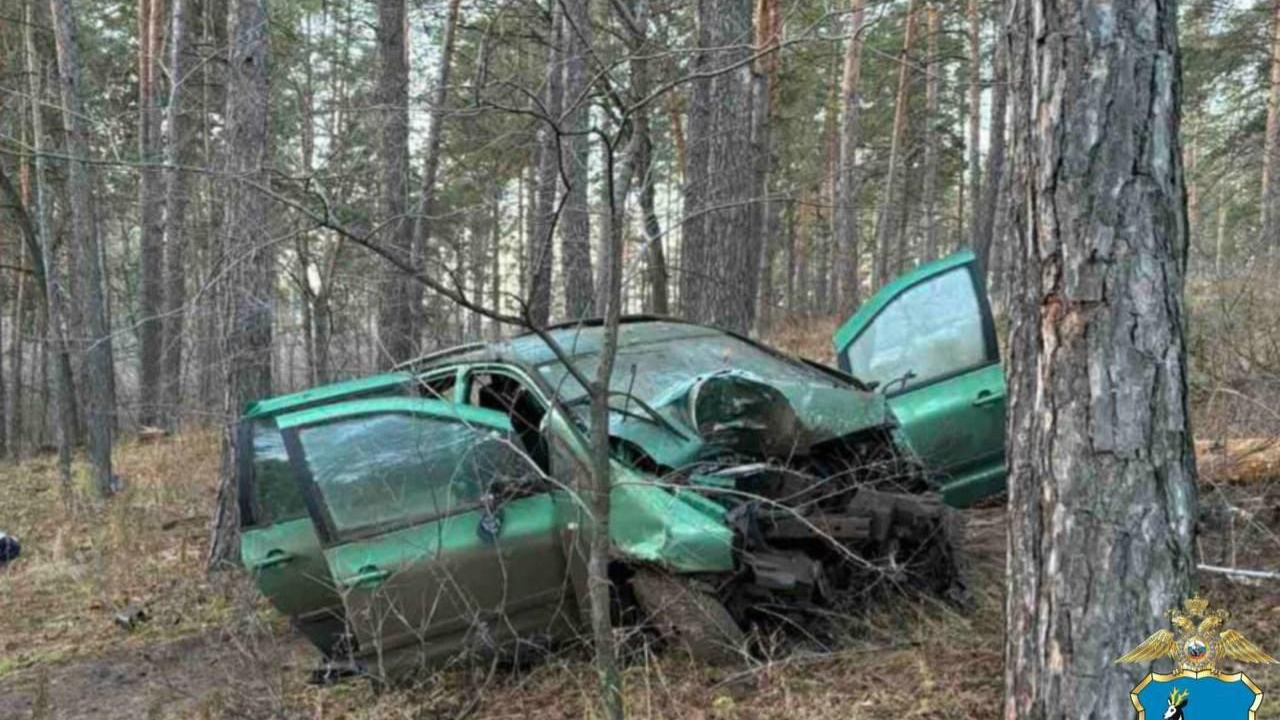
649 370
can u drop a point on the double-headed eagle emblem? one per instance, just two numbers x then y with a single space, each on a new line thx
1198 644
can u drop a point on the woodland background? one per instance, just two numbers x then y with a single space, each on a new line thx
218 199
207 201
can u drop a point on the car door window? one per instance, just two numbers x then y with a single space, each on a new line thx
378 472
276 497
506 393
930 331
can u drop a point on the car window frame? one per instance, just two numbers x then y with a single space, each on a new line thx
514 372
991 345
326 528
246 479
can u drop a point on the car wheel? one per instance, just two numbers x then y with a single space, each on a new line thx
689 616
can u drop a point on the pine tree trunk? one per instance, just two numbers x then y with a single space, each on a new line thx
889 203
431 161
655 257
546 209
575 249
251 295
179 150
987 210
695 253
495 252
40 247
397 313
848 180
730 229
826 275
1271 156
151 215
975 120
929 200
763 105
1101 471
99 372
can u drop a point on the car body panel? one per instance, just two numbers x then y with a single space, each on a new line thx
326 393
284 555
953 419
445 580
413 591
678 530
696 413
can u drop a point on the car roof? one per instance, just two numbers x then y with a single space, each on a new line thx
270 406
582 337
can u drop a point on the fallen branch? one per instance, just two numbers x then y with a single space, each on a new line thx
1238 572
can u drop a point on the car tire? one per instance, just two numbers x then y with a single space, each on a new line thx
688 616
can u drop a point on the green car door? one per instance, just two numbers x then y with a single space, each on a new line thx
928 342
438 530
278 543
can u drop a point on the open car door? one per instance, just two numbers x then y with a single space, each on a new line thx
928 342
437 528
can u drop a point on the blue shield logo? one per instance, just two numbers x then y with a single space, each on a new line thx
1192 695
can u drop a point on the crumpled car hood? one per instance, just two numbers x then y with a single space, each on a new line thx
737 411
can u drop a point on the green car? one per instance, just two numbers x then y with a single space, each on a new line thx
432 513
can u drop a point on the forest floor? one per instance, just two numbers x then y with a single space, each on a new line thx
211 649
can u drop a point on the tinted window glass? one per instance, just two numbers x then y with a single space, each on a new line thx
278 497
933 329
386 470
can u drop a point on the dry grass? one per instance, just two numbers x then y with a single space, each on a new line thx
84 563
216 653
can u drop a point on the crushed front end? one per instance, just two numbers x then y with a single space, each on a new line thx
778 498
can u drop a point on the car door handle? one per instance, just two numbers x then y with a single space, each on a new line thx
369 576
273 558
986 397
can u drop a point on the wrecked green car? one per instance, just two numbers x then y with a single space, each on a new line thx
430 513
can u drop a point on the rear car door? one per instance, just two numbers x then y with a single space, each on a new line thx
278 543
437 528
929 343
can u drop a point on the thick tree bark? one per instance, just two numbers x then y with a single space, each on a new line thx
99 366
732 190
398 311
885 223
695 253
151 202
179 150
929 199
764 76
1101 476
547 206
422 227
1271 156
575 231
210 244
848 181
251 296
